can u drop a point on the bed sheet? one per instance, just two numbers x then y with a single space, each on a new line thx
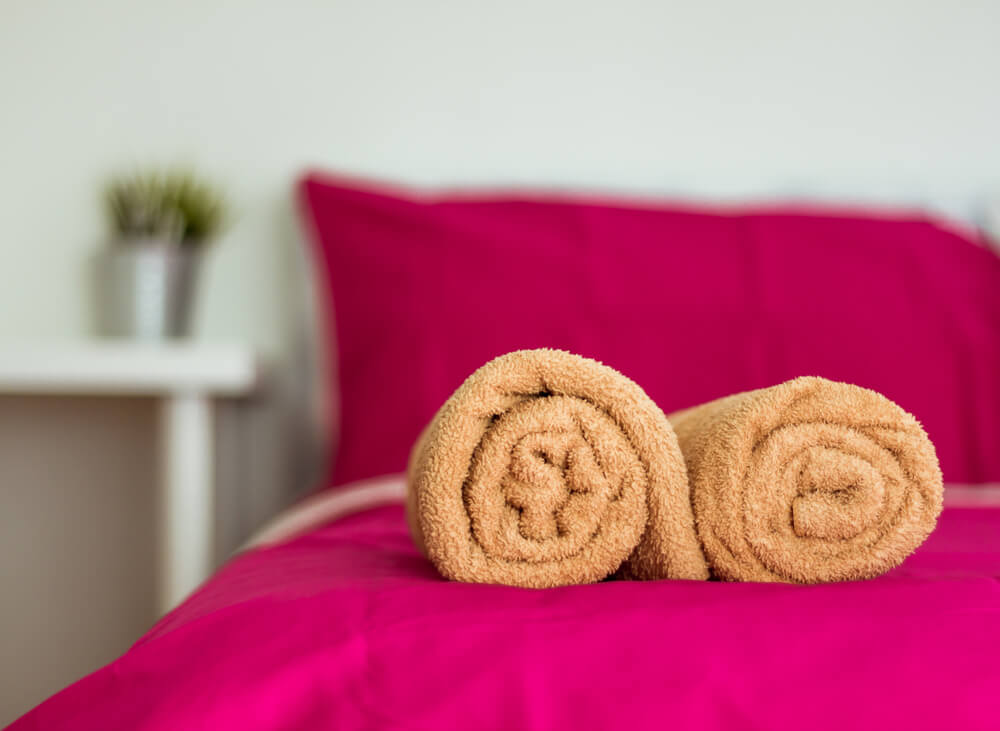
344 625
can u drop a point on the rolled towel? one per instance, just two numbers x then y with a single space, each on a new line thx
545 469
809 481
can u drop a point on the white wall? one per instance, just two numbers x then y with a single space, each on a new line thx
77 581
718 97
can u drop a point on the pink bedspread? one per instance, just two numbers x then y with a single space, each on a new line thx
348 627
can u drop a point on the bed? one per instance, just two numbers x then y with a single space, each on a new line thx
330 618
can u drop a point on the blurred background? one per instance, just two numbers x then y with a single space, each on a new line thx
881 100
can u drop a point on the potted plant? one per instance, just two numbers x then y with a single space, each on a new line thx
161 224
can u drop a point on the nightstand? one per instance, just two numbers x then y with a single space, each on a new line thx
185 378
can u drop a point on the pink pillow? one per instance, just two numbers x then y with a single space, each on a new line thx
690 303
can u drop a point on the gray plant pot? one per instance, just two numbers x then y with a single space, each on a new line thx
145 289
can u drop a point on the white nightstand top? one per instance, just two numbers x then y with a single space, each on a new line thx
127 368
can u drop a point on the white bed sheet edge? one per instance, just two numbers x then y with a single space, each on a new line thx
327 506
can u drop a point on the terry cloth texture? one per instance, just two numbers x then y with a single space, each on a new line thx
809 481
545 469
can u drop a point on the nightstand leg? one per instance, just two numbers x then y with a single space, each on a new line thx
187 520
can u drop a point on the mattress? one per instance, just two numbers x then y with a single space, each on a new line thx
332 620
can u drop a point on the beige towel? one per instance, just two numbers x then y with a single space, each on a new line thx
545 469
809 481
